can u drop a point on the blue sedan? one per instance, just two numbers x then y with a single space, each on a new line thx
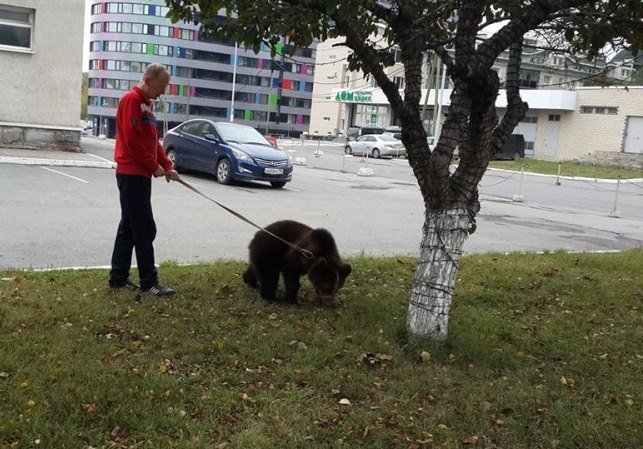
230 151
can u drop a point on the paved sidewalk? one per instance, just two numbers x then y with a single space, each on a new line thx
21 156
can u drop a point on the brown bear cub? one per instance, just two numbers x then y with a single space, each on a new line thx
270 257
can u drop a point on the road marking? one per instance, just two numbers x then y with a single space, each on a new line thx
65 174
101 158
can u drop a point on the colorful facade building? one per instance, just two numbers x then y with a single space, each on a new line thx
211 78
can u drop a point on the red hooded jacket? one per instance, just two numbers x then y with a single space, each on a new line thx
138 150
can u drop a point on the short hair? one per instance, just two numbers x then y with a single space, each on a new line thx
155 71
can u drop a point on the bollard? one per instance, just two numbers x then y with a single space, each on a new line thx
558 176
614 212
518 198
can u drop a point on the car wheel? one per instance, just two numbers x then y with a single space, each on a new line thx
376 153
172 156
348 150
277 184
224 171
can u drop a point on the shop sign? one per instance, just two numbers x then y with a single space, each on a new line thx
359 96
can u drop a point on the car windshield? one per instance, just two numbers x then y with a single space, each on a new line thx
240 134
387 138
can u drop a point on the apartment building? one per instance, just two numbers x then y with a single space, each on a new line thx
211 78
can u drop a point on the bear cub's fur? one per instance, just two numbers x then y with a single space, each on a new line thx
269 258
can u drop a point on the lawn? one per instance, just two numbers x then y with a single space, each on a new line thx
545 351
569 168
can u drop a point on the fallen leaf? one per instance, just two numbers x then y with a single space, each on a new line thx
425 356
89 409
344 401
473 439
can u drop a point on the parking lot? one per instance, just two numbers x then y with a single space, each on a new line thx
58 216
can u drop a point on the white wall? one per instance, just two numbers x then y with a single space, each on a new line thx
43 87
584 134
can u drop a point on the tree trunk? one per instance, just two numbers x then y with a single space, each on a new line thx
444 234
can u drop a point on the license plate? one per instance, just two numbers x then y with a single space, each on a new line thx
273 171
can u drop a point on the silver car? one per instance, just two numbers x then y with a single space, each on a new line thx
376 146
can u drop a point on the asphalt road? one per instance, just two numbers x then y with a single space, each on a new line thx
67 216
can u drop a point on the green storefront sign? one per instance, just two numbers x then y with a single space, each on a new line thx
348 96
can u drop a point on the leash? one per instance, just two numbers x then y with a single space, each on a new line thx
307 254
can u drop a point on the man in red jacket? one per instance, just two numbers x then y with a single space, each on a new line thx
139 156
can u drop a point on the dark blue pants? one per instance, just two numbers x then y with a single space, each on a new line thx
136 231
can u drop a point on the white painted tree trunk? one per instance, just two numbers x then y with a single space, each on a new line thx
444 234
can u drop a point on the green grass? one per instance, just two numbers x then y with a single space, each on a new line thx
545 351
568 168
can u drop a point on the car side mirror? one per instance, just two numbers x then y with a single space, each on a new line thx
211 138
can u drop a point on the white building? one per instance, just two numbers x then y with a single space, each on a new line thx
41 50
583 123
565 120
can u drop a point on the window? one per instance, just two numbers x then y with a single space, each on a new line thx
554 117
399 81
611 110
16 28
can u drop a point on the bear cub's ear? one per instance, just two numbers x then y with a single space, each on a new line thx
343 270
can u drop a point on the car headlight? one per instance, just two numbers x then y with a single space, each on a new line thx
240 155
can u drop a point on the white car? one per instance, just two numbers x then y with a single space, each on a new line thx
376 146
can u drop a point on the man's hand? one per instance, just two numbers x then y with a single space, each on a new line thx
172 175
160 171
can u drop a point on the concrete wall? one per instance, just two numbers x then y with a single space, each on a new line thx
41 88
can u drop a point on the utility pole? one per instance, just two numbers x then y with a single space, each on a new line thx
436 118
269 95
281 79
234 81
187 105
429 84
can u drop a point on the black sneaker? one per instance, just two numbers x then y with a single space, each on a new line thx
127 285
161 290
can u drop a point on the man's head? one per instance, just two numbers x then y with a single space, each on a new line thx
154 81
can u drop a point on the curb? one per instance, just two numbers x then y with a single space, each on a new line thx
55 162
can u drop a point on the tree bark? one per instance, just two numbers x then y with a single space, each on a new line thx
443 237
